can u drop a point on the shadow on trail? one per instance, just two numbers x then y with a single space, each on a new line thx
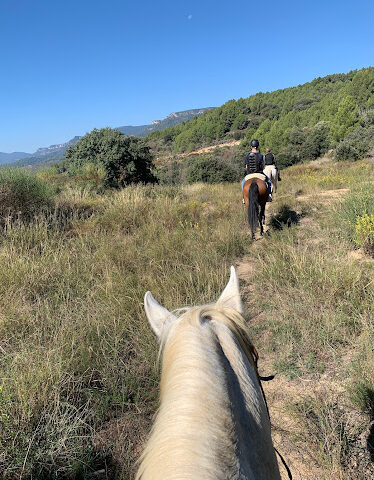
284 218
370 442
369 401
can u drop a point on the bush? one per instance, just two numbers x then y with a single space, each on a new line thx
170 174
364 232
356 214
346 151
238 135
288 156
317 141
125 160
222 165
356 144
210 170
241 122
22 195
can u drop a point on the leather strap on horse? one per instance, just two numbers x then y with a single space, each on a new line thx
267 379
284 464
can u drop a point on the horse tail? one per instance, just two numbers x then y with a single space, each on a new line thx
253 207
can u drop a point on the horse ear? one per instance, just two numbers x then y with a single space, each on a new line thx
159 317
230 297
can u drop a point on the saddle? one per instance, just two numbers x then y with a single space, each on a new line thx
258 175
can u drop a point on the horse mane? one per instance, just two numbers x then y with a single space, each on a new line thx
197 332
199 315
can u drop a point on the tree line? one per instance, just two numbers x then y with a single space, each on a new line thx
298 123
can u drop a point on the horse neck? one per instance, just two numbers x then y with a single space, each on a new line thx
243 384
210 400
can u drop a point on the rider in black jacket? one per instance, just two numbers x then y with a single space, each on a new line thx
254 163
270 160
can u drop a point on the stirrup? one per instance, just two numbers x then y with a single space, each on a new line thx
270 198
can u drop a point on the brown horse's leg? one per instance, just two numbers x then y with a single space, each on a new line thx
262 218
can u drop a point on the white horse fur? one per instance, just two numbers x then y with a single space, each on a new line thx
212 423
272 173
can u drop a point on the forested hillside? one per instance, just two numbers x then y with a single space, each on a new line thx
298 123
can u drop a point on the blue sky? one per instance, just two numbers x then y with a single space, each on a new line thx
69 66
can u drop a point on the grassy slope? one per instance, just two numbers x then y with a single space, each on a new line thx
78 361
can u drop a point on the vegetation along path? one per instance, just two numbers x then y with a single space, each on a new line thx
78 362
302 285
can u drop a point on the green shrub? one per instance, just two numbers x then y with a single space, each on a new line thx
346 151
356 144
22 195
356 205
317 142
241 122
364 232
238 135
124 160
345 119
222 165
210 170
288 156
170 174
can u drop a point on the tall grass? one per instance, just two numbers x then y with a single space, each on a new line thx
318 299
22 195
78 376
76 350
312 177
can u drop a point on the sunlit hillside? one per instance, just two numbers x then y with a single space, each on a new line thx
299 123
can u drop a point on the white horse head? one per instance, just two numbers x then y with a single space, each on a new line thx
161 319
212 422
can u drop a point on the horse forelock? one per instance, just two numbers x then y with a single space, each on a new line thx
202 316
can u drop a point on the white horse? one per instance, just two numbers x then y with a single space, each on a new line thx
272 172
212 423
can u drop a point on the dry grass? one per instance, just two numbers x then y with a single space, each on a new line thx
79 384
314 307
77 355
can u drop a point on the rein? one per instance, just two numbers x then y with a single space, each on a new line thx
255 358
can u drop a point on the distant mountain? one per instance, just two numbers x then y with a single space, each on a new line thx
55 149
12 157
55 153
170 121
46 155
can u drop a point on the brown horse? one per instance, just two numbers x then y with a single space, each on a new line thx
255 194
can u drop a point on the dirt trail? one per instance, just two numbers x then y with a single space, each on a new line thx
326 195
282 392
181 156
279 393
210 148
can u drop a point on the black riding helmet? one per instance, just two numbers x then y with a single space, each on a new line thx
255 143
